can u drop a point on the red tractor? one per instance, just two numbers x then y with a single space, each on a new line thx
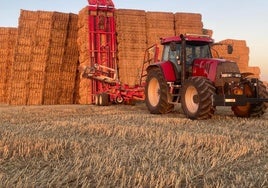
189 75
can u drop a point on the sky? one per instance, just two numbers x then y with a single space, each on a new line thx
229 19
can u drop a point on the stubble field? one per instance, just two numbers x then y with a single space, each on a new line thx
126 146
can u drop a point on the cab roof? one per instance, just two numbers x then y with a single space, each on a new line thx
188 37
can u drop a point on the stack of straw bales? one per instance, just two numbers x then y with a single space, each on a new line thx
159 25
131 39
69 68
188 23
57 28
84 86
8 38
240 55
40 60
23 57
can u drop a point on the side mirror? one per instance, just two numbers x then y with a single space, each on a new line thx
230 49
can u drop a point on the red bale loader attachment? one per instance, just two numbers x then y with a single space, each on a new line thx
106 86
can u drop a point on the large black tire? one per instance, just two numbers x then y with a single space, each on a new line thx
103 99
259 109
157 93
252 110
196 98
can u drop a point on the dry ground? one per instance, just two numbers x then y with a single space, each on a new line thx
125 146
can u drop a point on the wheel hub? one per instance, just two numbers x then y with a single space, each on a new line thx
196 99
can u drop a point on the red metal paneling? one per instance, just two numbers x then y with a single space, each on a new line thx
102 37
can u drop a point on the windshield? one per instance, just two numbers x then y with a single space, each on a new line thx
197 50
193 50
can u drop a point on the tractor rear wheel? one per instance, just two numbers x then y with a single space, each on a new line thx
157 93
252 110
196 98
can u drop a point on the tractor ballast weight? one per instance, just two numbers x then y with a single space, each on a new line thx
189 75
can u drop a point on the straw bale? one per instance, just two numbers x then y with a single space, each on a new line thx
24 41
208 32
54 60
18 96
129 12
162 16
43 34
84 92
71 49
73 22
158 25
183 18
12 31
26 32
5 45
3 51
4 31
192 30
35 97
21 67
60 25
39 51
188 23
60 16
44 15
44 24
38 65
234 42
56 51
23 49
27 15
37 77
67 95
70 66
27 23
3 75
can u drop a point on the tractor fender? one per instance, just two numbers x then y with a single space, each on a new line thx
167 68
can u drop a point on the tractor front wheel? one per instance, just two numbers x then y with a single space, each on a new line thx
157 93
252 110
259 109
196 98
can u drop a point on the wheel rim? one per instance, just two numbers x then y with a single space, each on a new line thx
154 92
119 99
244 111
191 99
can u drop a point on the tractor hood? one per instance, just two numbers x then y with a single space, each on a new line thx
213 68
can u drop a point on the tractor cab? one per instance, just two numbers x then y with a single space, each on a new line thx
179 52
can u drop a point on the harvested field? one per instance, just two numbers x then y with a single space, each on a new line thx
125 146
